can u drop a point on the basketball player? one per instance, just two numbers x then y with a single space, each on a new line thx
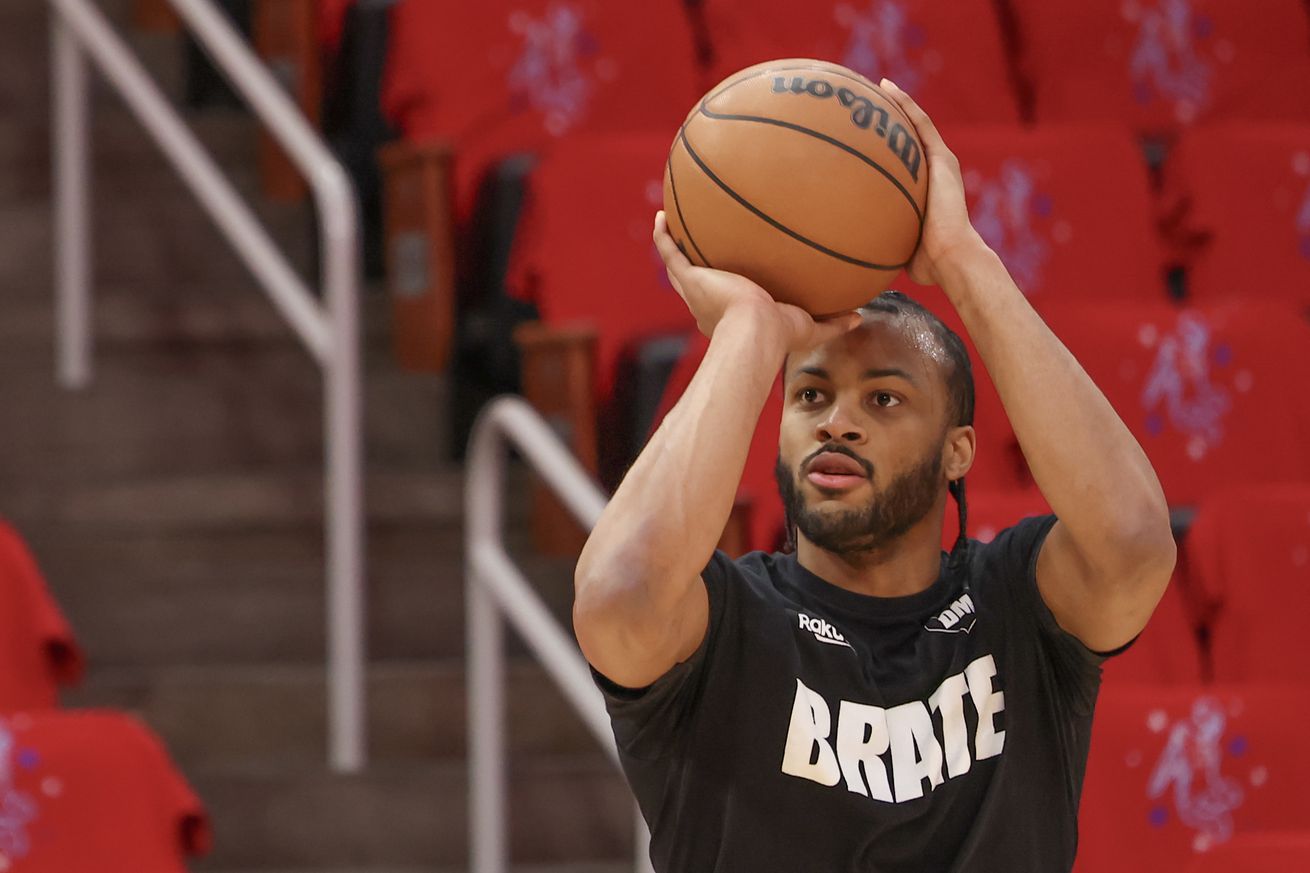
869 702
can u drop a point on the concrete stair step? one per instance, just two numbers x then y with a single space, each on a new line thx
267 498
176 409
561 808
146 243
248 587
417 711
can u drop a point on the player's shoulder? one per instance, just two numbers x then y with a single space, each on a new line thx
1020 538
1009 557
758 573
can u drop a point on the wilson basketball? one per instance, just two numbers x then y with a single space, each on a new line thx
803 176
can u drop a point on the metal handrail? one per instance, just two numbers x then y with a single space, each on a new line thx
330 330
494 587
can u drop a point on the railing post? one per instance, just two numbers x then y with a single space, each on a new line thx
488 836
484 627
72 177
343 446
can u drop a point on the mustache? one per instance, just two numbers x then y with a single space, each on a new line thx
839 449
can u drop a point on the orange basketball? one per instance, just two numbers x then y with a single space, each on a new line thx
803 176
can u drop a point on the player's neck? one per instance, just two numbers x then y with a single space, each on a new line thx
902 567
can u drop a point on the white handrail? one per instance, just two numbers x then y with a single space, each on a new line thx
495 587
330 330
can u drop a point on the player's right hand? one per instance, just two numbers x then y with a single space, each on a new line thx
710 294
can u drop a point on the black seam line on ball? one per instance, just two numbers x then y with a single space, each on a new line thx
677 207
775 223
850 150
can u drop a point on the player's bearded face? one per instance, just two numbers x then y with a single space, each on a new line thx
892 508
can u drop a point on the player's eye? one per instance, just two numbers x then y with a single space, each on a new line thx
885 399
809 396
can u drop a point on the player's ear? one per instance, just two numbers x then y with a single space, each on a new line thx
958 451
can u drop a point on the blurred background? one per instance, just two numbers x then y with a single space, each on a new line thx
241 371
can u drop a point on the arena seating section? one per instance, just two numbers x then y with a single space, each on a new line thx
79 789
1144 170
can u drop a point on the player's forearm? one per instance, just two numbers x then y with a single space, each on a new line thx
1087 464
660 528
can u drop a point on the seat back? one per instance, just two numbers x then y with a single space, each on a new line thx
38 651
1162 65
1245 190
1248 553
584 252
1067 207
1177 771
1209 392
94 790
504 76
950 57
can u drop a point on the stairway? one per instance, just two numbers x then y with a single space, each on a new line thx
176 508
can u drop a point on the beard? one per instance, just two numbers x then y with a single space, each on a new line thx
899 506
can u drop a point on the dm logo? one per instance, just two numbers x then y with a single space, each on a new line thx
558 66
1181 391
957 618
1167 62
1189 778
1015 218
883 41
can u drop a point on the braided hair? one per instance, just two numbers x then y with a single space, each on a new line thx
959 385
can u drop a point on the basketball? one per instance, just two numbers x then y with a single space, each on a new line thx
803 176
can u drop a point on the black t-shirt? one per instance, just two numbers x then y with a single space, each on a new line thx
816 729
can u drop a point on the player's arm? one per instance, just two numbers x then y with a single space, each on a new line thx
640 606
1105 564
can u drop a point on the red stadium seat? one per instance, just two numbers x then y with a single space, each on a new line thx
1248 554
93 790
1209 392
584 252
38 651
1067 208
1257 853
1245 190
1161 65
950 57
1177 771
332 22
1168 652
502 76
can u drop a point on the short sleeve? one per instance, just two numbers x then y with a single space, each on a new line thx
1011 560
648 721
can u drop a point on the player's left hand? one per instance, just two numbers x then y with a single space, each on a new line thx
946 224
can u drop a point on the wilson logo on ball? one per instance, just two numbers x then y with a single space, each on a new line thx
863 112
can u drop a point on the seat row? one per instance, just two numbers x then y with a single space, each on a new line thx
80 790
1197 779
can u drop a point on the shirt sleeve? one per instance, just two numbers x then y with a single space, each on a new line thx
650 721
1011 561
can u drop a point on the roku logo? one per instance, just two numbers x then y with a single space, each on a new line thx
863 114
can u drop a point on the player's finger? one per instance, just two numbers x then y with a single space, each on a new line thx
932 140
830 328
673 258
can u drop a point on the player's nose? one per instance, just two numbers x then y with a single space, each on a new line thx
839 426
